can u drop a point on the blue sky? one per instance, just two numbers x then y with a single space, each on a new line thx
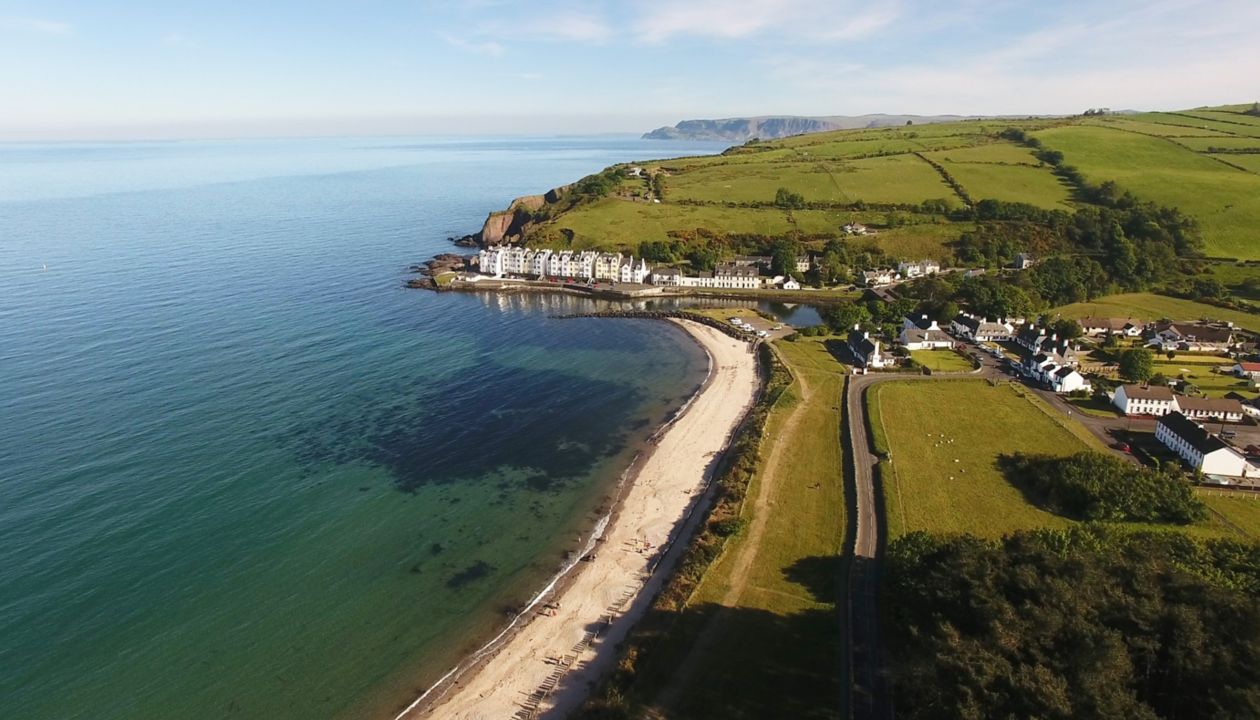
138 68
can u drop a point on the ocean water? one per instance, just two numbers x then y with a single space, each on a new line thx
243 472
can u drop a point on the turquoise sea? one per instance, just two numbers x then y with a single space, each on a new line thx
243 472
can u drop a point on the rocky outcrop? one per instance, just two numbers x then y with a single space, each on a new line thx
510 224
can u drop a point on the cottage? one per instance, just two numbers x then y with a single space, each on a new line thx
1221 409
1200 449
854 229
923 268
923 334
880 278
980 329
1247 370
791 284
1023 261
1096 327
666 276
1193 337
865 350
1066 380
1144 400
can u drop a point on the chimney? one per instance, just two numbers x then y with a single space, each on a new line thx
857 326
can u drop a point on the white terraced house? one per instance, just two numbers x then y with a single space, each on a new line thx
723 277
501 261
1144 400
918 269
1202 450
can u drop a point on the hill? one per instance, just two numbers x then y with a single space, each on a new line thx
918 188
773 127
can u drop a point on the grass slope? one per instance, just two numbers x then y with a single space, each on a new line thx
1225 200
1147 306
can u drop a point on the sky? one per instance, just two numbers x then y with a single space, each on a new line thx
80 69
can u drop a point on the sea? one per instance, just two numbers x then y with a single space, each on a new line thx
245 473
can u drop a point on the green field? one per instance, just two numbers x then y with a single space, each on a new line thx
1197 371
1220 141
1149 307
767 638
941 360
1239 510
1013 183
945 437
1225 200
1251 163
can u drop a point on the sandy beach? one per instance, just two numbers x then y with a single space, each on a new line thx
544 668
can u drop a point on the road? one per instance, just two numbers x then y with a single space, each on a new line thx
869 699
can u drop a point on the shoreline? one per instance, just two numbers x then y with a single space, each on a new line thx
546 661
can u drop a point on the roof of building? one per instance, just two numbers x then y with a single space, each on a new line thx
1031 332
916 334
1193 433
1064 371
1222 405
667 271
735 271
1249 366
1147 392
861 344
1107 323
1201 332
923 322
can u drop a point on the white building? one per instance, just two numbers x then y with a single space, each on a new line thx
865 350
981 329
923 334
879 278
1194 337
607 266
1095 327
922 268
1065 379
1201 450
501 261
1144 400
1220 409
791 284
1247 370
803 264
630 272
854 229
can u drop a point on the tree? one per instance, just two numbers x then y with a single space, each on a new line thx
842 317
1254 110
788 200
1067 328
783 256
1137 364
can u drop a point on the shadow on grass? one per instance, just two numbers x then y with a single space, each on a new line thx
751 663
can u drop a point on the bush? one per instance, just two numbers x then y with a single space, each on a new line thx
1094 486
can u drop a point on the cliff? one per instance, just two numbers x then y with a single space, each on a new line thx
771 127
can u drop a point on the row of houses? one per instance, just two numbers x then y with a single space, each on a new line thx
1202 450
1159 400
500 261
1166 335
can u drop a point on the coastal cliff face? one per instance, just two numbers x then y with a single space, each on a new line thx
513 222
779 126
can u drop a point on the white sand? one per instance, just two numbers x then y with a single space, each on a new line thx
524 671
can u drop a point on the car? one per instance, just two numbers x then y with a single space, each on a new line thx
777 327
762 334
1123 447
736 321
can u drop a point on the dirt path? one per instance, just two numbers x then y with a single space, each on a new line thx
743 556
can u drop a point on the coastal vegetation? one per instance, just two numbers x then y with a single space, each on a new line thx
748 627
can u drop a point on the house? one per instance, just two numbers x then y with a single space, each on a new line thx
630 272
607 266
1066 379
923 268
762 261
923 334
854 229
1096 327
1200 449
791 284
666 276
1144 400
980 329
1193 337
865 350
1023 261
803 263
1247 370
879 278
736 277
1220 409
1031 338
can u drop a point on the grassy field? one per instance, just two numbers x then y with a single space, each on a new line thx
1148 306
770 641
1014 183
1198 372
1223 199
941 360
1240 511
945 439
1220 141
1251 163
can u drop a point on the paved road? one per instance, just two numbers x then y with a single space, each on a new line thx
869 698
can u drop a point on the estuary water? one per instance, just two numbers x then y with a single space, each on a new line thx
243 472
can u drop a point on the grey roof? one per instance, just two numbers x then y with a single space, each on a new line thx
1192 432
735 271
1199 332
1064 371
1147 392
1220 405
860 344
922 335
